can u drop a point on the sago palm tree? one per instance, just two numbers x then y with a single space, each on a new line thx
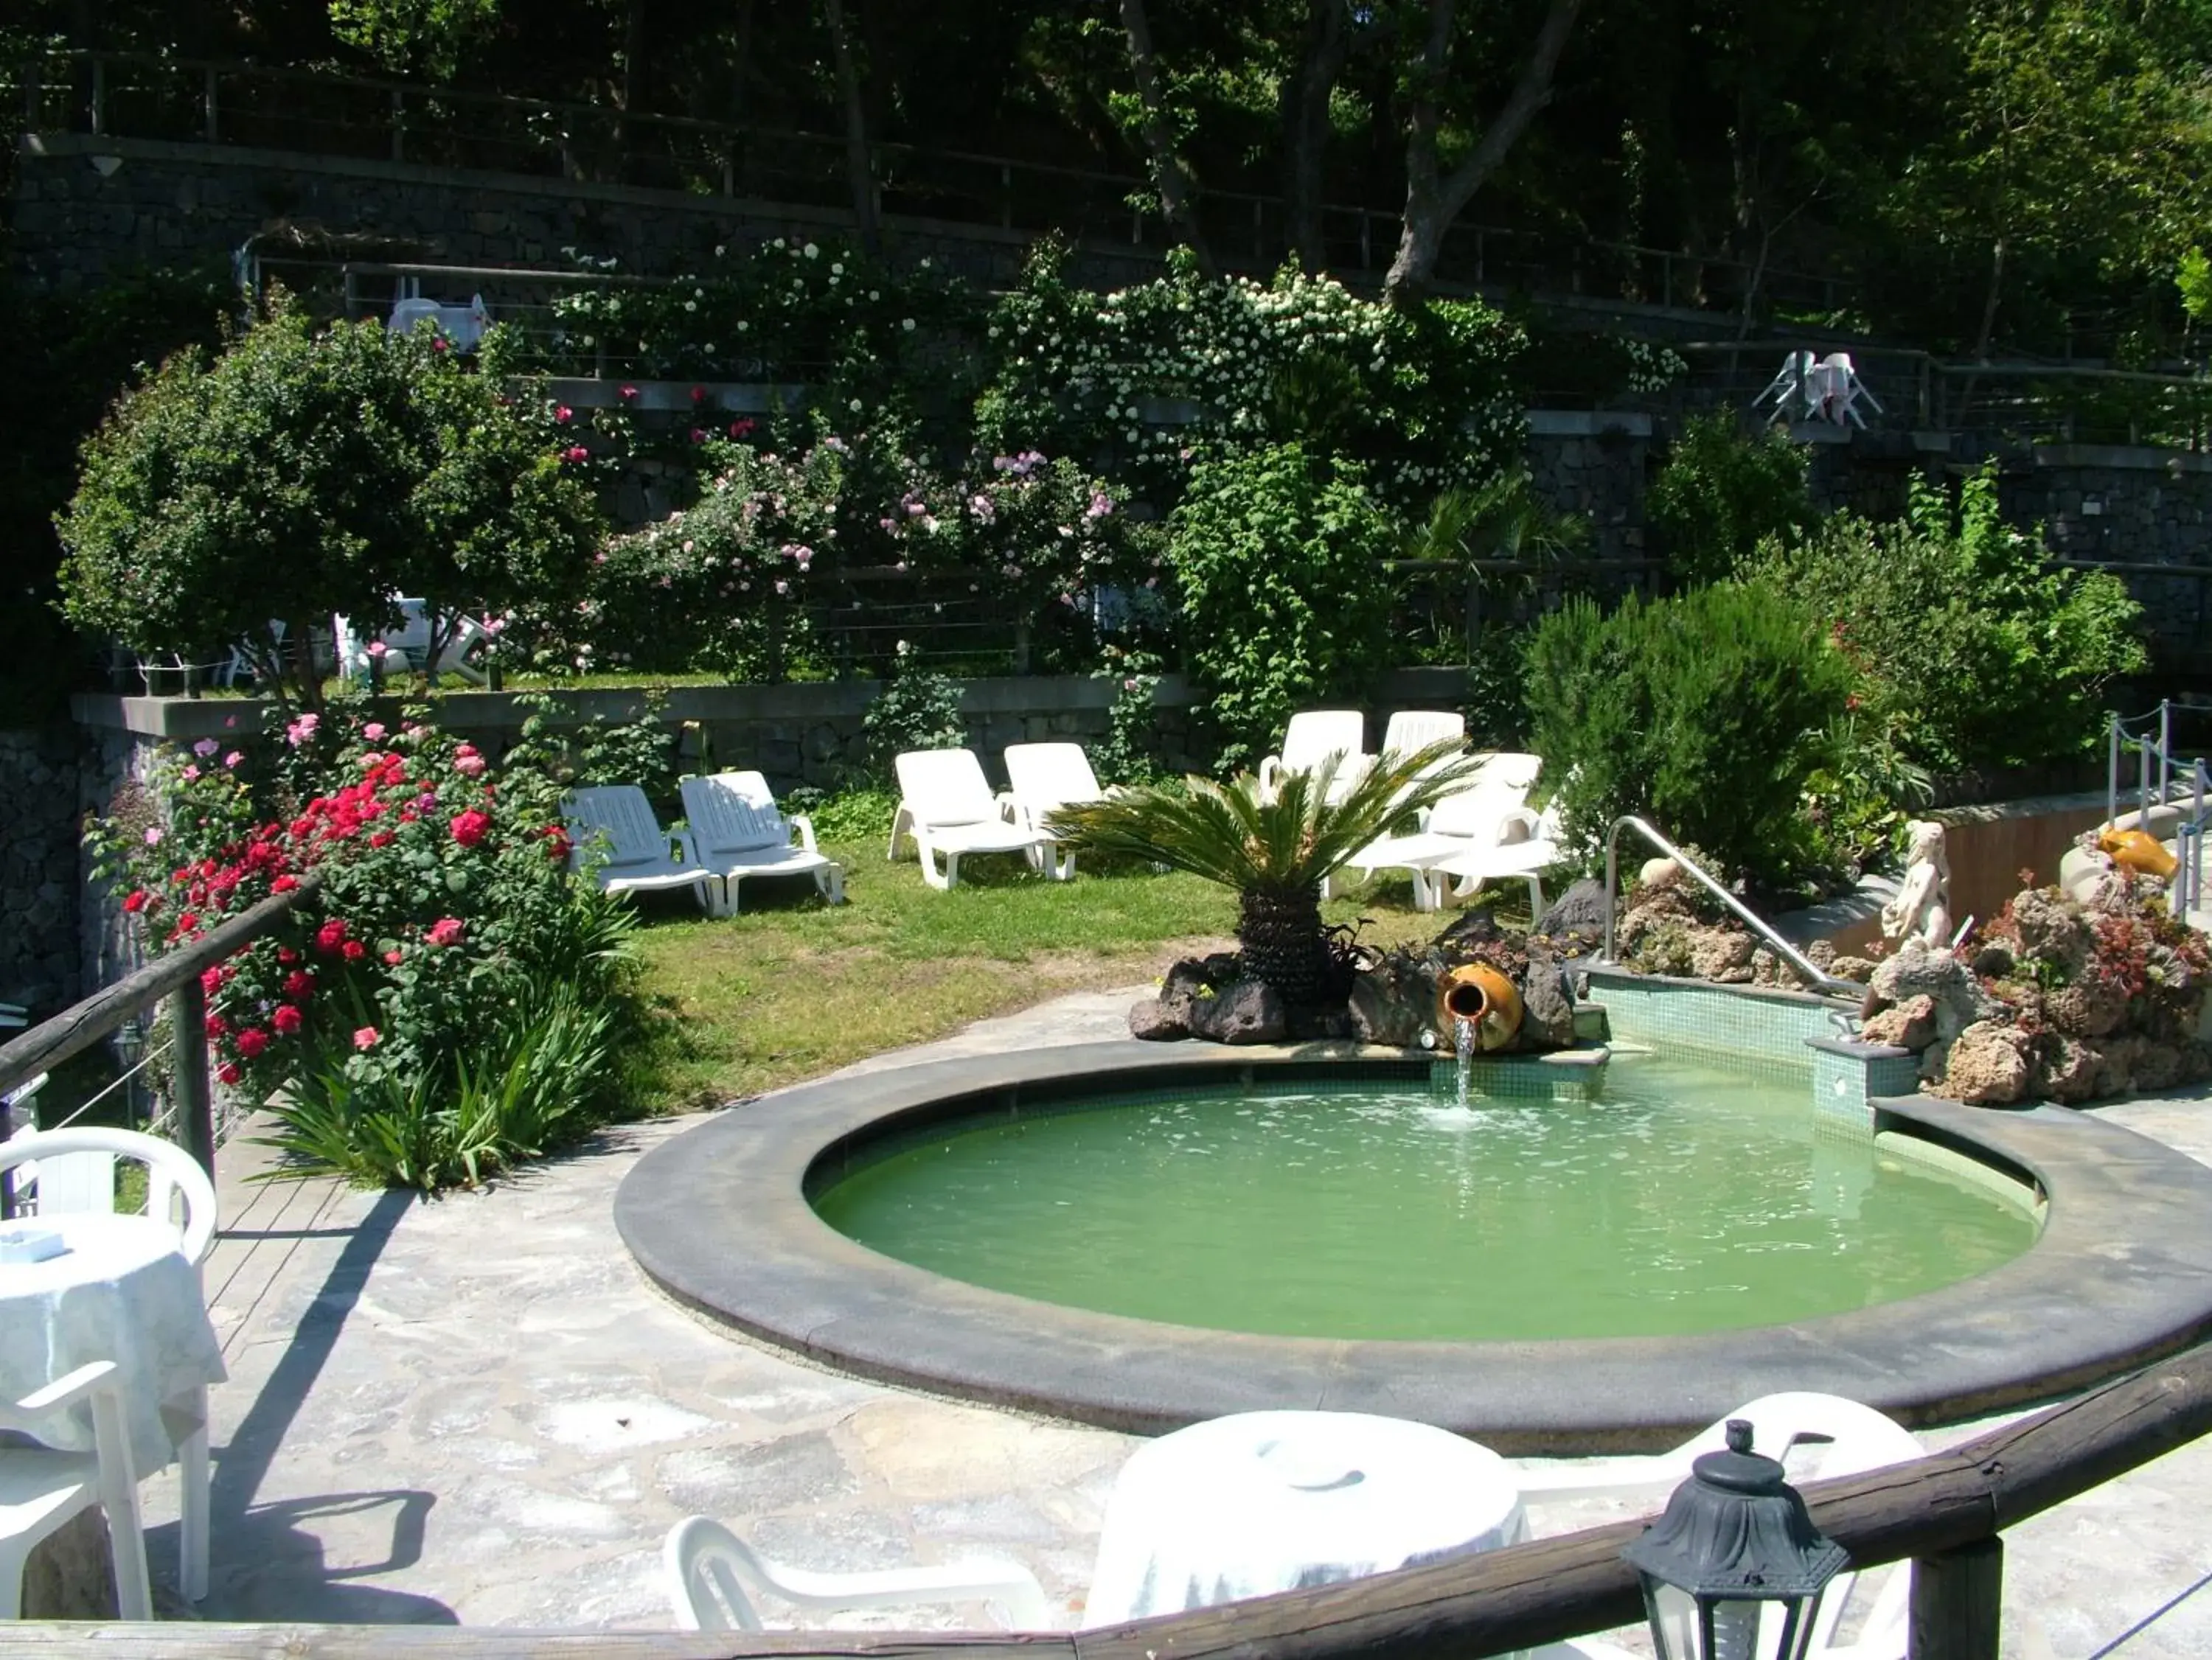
1276 851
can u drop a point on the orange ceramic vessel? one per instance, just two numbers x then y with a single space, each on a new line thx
1484 996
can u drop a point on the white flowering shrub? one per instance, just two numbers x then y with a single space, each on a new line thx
1143 379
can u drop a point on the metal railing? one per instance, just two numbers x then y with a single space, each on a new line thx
134 95
1807 969
192 1113
2155 786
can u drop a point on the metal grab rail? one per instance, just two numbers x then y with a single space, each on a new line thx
1789 953
2188 890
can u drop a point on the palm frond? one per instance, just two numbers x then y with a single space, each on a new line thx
1236 835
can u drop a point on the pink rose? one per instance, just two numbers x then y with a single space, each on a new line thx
446 930
367 1037
469 766
374 732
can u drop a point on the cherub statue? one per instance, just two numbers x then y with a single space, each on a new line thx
1922 909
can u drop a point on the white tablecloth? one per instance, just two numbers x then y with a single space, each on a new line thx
1271 1501
122 1292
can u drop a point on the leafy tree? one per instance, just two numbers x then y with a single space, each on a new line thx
303 473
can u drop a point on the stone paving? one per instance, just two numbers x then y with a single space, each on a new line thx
477 1410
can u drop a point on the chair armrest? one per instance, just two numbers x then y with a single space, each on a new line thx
1270 769
978 1579
805 826
688 844
1524 818
1009 808
88 1380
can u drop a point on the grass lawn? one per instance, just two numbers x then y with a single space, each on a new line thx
793 988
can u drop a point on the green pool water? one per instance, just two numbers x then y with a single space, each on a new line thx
1685 1199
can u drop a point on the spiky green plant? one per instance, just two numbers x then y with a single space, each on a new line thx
1275 851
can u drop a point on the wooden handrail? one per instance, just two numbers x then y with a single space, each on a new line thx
1929 1511
78 1028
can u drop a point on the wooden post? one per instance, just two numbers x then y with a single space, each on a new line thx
1955 1597
188 1063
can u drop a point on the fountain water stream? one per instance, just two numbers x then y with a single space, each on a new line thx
1466 1035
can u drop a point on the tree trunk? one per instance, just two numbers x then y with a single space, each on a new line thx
1177 189
1305 128
859 175
1280 941
299 645
1432 203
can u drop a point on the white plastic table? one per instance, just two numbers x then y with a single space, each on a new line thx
121 1292
1270 1501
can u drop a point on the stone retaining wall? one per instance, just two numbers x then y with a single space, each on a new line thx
40 776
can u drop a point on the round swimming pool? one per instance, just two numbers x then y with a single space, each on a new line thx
1741 1197
1683 1199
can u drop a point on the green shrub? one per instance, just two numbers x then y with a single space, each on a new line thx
1970 651
1279 561
521 1090
1721 493
447 928
1706 713
916 709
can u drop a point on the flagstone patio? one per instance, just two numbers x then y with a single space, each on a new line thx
476 1409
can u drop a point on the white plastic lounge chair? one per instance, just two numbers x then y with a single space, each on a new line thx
73 1170
40 1489
1859 1440
1489 812
408 646
947 811
1310 739
1043 779
1412 730
740 832
710 1570
613 835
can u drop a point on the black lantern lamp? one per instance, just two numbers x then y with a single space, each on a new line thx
1735 1568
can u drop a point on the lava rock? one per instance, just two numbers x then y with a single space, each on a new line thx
1909 1025
1919 971
2065 1070
1722 955
1987 1066
1858 970
1547 1006
1250 1011
1471 929
2052 929
1579 914
2086 1008
1158 1021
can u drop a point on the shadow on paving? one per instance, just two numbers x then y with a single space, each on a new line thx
272 1554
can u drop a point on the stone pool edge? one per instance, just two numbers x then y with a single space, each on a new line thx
718 1218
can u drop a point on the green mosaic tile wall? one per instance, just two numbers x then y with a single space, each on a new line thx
1742 1030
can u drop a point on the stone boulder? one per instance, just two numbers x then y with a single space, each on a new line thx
1987 1065
2052 929
2088 1007
1722 955
1909 1025
1918 970
1158 1020
2065 1070
1548 1018
1394 1002
1250 1011
1575 922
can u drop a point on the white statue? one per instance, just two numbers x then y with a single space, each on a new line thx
1922 909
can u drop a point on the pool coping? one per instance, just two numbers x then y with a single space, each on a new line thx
718 1218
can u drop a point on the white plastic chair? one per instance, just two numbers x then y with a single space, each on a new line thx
42 1489
709 1569
1312 738
464 325
946 809
1044 777
408 646
1857 1439
740 832
72 1172
613 836
1492 812
1413 730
